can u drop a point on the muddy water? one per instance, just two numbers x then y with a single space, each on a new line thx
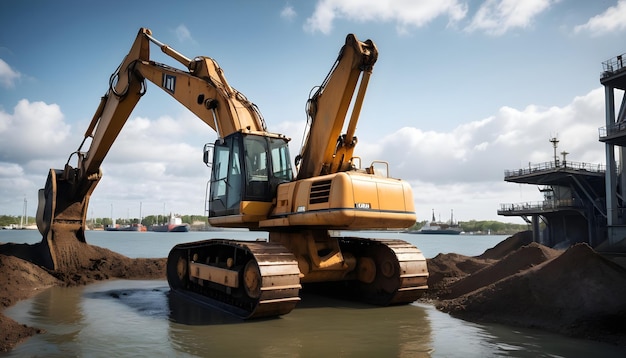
142 319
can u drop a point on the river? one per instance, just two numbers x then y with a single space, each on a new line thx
139 318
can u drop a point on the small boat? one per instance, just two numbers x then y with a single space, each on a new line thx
131 227
174 224
128 227
438 228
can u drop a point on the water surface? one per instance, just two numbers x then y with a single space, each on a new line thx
140 318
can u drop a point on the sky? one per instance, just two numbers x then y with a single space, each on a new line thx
461 92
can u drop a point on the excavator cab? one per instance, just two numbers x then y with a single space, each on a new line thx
246 168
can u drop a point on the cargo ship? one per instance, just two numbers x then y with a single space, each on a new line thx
174 224
439 228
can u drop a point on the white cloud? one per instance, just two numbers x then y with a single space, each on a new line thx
405 13
8 170
496 17
32 140
183 34
8 76
14 187
611 20
33 130
464 169
481 150
288 13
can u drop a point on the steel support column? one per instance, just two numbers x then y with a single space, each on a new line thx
611 175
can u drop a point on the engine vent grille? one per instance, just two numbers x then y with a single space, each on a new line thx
320 191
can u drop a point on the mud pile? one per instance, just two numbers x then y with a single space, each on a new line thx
446 269
576 292
20 278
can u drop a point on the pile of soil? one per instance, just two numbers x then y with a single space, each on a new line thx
575 292
446 269
21 277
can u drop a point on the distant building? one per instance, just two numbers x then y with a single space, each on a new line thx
583 202
573 207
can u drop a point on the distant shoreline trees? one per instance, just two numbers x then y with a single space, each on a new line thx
95 223
483 226
472 226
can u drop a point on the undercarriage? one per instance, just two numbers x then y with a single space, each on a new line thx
253 279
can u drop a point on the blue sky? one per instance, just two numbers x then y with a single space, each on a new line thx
462 91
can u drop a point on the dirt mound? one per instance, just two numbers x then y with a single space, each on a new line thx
100 264
88 263
578 293
507 246
517 261
445 270
20 278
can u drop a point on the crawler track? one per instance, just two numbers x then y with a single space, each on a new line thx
400 275
266 274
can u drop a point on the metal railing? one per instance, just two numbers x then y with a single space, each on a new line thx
550 166
540 205
614 128
613 65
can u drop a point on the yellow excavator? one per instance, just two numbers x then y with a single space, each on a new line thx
253 186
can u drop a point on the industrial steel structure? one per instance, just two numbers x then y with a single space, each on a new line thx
583 202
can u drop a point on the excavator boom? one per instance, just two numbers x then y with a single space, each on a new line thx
326 150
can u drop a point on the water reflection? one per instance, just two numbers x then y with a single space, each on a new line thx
186 312
149 302
142 318
319 326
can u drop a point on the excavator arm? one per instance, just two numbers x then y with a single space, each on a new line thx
326 150
202 88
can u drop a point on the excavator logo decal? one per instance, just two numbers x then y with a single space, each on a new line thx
169 82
